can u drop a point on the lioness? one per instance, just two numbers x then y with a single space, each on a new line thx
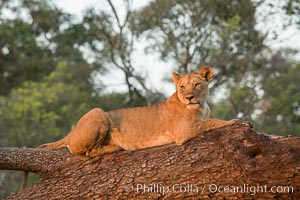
178 119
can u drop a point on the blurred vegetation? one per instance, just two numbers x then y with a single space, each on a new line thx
50 61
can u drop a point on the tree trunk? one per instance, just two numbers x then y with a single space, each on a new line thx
232 162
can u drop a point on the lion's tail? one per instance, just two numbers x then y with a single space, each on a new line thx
55 145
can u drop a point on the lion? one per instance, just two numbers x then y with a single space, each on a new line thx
184 115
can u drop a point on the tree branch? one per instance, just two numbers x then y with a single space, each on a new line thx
233 156
115 12
36 160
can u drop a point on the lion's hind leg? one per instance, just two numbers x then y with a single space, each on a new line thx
90 132
110 145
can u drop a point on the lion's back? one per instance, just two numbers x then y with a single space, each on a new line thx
140 119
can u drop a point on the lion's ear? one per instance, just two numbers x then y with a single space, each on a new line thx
176 77
206 73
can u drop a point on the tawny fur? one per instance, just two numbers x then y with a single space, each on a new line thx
178 119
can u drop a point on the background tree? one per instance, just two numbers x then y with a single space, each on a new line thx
193 33
113 40
224 35
45 81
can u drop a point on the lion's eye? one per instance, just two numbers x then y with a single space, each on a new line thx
182 87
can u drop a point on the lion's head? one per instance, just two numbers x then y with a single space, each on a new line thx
192 88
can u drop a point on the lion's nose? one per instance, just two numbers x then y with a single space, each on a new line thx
189 97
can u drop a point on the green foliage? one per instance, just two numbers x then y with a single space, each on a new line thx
42 111
193 33
10 182
113 101
283 99
233 22
292 8
21 58
223 110
270 99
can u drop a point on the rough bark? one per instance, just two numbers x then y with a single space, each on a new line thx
241 162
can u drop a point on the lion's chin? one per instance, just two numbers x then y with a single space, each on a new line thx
193 106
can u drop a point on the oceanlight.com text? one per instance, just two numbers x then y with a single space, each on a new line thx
208 188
